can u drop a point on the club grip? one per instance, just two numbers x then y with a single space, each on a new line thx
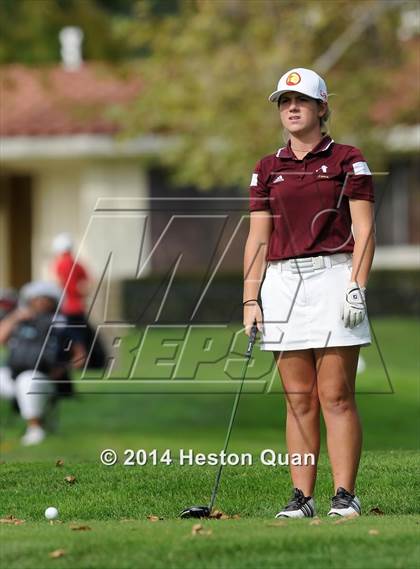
252 338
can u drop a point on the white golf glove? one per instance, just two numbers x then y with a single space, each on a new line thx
354 308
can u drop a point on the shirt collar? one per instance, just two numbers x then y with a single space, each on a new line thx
323 144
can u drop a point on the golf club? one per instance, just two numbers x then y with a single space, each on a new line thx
205 511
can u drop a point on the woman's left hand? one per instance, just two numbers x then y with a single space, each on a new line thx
354 307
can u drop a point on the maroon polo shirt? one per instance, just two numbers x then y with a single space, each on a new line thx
309 198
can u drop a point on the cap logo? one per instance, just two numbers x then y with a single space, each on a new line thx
293 78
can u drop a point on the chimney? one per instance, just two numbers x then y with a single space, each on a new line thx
71 48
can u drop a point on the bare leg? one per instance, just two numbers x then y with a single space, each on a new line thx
32 395
35 422
336 376
298 374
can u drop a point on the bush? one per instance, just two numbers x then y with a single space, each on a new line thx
389 293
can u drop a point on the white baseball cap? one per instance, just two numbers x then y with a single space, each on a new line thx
35 289
62 242
303 81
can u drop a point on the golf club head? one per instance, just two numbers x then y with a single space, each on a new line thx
195 512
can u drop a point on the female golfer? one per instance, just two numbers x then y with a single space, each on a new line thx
311 245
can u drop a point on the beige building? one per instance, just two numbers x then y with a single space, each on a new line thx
61 162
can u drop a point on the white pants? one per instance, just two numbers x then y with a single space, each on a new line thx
32 395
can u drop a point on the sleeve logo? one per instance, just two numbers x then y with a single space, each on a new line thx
254 180
361 168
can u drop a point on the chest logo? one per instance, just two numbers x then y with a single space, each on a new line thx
323 169
278 179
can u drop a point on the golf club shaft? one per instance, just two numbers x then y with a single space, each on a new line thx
248 354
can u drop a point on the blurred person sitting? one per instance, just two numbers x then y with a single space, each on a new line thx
39 355
74 279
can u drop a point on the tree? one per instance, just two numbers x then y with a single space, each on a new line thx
207 67
211 65
29 29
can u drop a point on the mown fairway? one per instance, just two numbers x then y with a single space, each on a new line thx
114 502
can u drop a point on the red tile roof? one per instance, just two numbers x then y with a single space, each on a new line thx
53 101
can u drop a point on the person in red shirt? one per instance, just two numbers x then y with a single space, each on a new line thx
306 265
71 276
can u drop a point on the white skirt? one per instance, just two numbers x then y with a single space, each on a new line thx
302 311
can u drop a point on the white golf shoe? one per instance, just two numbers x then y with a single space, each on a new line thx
33 436
300 506
345 504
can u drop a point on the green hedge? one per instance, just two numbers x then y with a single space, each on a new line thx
389 293
394 293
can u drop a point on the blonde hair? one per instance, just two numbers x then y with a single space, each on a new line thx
323 121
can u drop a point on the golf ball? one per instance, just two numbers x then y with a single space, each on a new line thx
51 513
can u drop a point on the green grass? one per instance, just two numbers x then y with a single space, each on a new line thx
103 497
106 497
116 492
231 543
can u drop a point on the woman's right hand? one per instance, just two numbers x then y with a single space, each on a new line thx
23 313
252 314
9 322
